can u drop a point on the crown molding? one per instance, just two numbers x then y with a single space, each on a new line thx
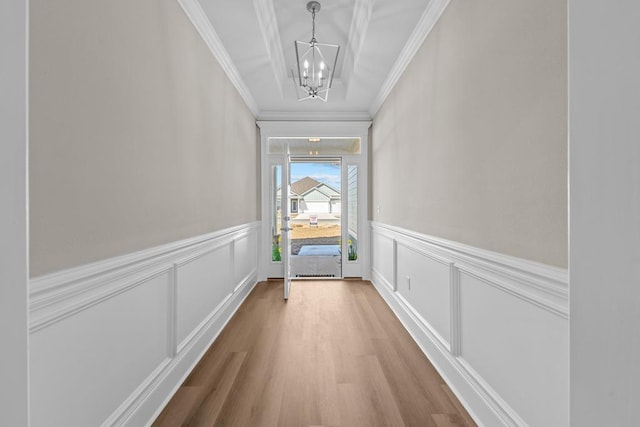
427 21
199 19
269 116
268 23
359 25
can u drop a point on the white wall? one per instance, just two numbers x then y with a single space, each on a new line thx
496 327
111 341
604 154
13 214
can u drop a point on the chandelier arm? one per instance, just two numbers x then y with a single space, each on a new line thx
295 45
335 63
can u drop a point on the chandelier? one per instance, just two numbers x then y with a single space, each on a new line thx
316 63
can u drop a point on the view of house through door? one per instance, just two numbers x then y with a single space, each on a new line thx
315 205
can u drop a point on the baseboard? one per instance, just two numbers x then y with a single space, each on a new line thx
494 326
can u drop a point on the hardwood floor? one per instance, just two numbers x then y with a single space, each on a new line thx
333 355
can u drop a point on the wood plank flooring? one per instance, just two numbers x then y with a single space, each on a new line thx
333 355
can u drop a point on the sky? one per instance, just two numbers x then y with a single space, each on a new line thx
328 173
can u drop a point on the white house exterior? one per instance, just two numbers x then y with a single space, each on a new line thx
311 196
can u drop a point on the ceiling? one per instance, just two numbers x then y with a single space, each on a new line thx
254 41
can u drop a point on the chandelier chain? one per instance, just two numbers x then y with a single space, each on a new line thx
313 25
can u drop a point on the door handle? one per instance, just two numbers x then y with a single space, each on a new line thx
286 229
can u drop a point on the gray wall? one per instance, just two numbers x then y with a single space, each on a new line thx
138 138
471 145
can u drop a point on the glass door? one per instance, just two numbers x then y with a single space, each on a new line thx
286 228
307 219
279 221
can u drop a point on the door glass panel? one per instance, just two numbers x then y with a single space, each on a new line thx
276 213
352 197
316 236
286 224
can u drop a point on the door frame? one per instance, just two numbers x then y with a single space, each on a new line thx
328 129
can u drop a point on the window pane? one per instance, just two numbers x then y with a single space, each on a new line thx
276 213
315 146
352 194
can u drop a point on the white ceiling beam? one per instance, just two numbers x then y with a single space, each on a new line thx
268 22
357 33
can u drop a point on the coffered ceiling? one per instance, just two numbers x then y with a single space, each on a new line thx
254 41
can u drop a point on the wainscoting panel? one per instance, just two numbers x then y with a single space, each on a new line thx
495 327
424 283
510 342
203 282
113 340
82 365
245 256
383 259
